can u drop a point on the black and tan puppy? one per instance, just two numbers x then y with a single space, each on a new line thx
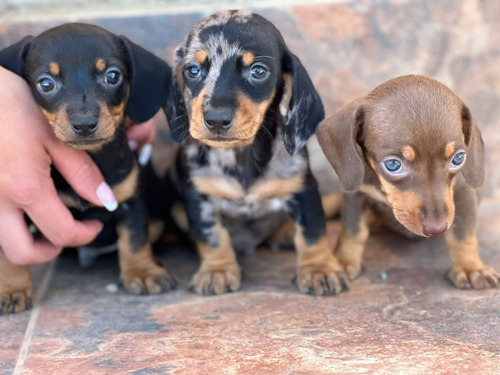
410 152
245 107
86 80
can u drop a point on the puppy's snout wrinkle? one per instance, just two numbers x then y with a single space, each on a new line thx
218 120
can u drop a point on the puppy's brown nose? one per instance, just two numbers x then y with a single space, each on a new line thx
217 120
434 228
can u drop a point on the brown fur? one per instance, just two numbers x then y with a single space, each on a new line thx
138 269
247 122
54 68
219 269
423 125
318 269
100 65
16 287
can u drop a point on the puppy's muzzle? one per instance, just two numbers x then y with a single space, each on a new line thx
84 126
218 120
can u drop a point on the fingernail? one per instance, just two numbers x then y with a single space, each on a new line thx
133 145
106 196
145 154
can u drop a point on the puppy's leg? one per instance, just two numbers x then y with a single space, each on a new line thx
319 272
16 287
353 235
140 272
467 268
219 271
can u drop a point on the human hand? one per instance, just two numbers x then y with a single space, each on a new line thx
142 135
28 147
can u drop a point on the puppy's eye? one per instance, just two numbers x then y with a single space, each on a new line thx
258 72
112 77
46 84
458 159
394 166
193 71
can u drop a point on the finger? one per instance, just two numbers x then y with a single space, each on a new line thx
60 228
18 243
80 171
142 133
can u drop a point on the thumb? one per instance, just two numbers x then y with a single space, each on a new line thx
80 171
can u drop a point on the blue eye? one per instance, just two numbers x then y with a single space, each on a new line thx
46 85
393 166
112 77
458 159
193 71
258 72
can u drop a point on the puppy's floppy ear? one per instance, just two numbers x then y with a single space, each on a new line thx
305 109
337 137
473 169
148 79
12 57
175 108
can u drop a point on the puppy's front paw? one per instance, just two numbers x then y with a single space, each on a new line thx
322 280
212 281
475 278
149 280
15 301
351 267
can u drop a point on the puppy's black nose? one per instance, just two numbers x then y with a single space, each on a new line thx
84 127
434 228
218 120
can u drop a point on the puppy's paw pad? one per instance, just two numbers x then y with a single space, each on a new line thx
322 282
153 281
475 279
15 301
216 281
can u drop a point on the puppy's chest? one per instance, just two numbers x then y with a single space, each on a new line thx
119 169
242 186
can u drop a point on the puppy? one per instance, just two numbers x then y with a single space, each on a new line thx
244 107
411 153
86 80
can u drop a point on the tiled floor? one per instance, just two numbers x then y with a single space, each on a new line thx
412 322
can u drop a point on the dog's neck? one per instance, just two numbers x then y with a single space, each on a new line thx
114 159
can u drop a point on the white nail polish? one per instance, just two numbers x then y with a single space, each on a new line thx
106 196
145 155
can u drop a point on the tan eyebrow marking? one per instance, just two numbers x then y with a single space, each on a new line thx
201 56
408 153
450 149
248 58
100 64
54 68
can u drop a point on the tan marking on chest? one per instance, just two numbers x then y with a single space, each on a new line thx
273 188
218 187
125 189
225 188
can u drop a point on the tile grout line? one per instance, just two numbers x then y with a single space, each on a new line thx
28 335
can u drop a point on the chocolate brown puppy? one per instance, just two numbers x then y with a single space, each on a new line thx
410 151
